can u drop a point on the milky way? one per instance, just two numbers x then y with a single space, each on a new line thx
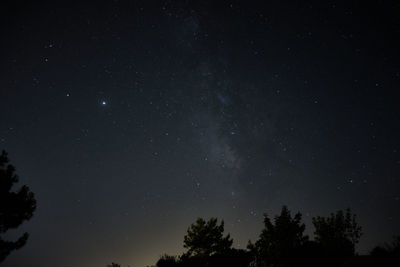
130 120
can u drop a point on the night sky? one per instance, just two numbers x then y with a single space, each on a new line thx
128 120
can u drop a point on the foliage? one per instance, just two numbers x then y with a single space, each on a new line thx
204 239
167 261
279 242
15 207
282 243
337 234
207 246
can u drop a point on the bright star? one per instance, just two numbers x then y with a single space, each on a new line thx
103 103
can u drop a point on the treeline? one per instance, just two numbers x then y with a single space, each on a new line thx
282 243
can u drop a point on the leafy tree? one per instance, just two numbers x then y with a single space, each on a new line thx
167 261
204 239
279 242
15 207
337 234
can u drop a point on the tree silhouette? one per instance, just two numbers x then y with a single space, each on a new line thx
282 243
15 207
337 234
204 239
167 261
279 242
113 264
207 246
387 255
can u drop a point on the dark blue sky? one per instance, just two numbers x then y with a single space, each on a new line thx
129 119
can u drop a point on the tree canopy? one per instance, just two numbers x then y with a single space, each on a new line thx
280 240
15 206
167 261
337 234
282 243
206 238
